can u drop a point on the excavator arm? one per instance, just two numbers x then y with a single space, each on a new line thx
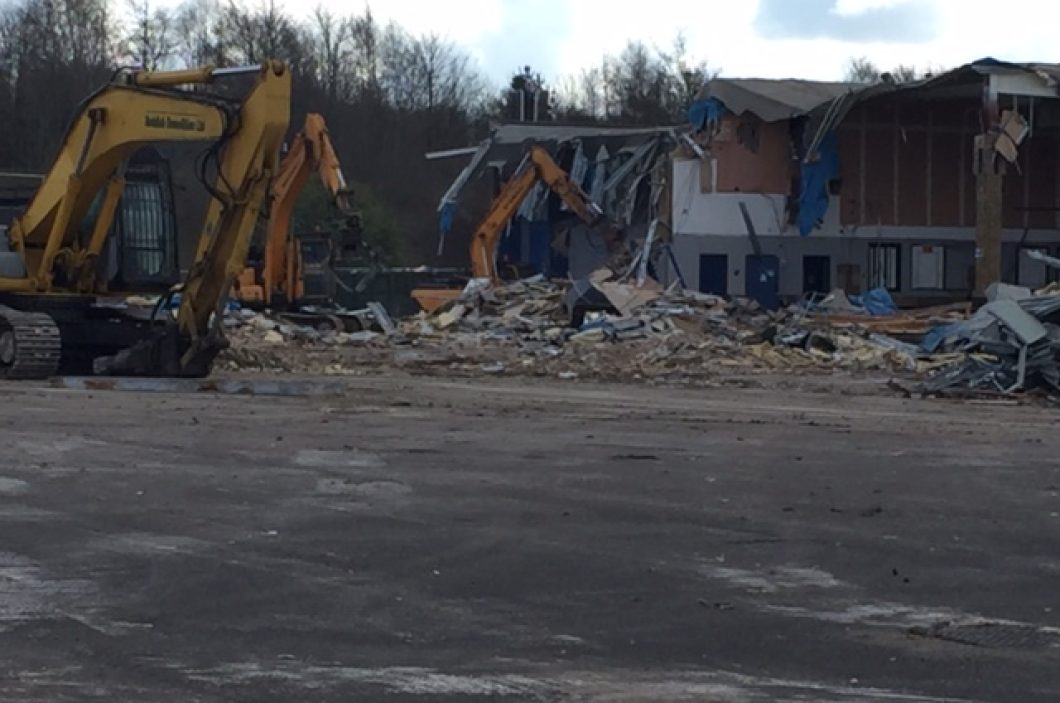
537 167
248 160
135 109
310 150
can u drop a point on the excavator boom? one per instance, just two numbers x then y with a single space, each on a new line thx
282 275
249 161
537 167
57 258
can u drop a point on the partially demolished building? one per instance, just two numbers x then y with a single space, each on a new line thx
931 189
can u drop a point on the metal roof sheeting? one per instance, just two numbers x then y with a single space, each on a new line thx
518 133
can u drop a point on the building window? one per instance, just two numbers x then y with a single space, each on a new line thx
929 267
884 266
1031 273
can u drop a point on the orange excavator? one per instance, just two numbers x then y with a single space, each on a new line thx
281 281
537 167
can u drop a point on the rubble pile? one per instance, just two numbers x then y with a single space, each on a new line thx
262 342
614 329
647 333
607 329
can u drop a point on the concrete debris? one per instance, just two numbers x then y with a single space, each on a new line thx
450 317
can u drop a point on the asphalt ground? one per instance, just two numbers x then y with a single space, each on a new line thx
413 540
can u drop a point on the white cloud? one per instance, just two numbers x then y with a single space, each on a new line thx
857 7
561 37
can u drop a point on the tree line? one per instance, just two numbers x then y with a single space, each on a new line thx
859 69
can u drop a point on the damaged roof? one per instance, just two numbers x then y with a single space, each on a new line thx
777 100
774 100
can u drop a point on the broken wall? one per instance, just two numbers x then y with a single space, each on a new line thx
748 156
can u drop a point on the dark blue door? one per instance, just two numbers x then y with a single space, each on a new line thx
714 274
763 280
816 274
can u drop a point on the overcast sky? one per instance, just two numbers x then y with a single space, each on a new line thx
742 38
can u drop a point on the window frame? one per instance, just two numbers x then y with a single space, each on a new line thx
871 270
912 267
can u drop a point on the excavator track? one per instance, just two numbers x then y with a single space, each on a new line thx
30 345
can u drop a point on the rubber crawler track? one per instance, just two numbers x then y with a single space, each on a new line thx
37 345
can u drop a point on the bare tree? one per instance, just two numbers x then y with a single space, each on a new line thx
640 85
364 34
425 73
199 33
52 50
151 42
78 32
686 76
862 70
332 39
592 94
266 32
905 74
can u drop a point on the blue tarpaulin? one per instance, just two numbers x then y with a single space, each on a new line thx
706 110
813 201
876 302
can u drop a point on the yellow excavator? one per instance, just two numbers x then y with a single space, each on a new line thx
55 313
537 167
280 280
